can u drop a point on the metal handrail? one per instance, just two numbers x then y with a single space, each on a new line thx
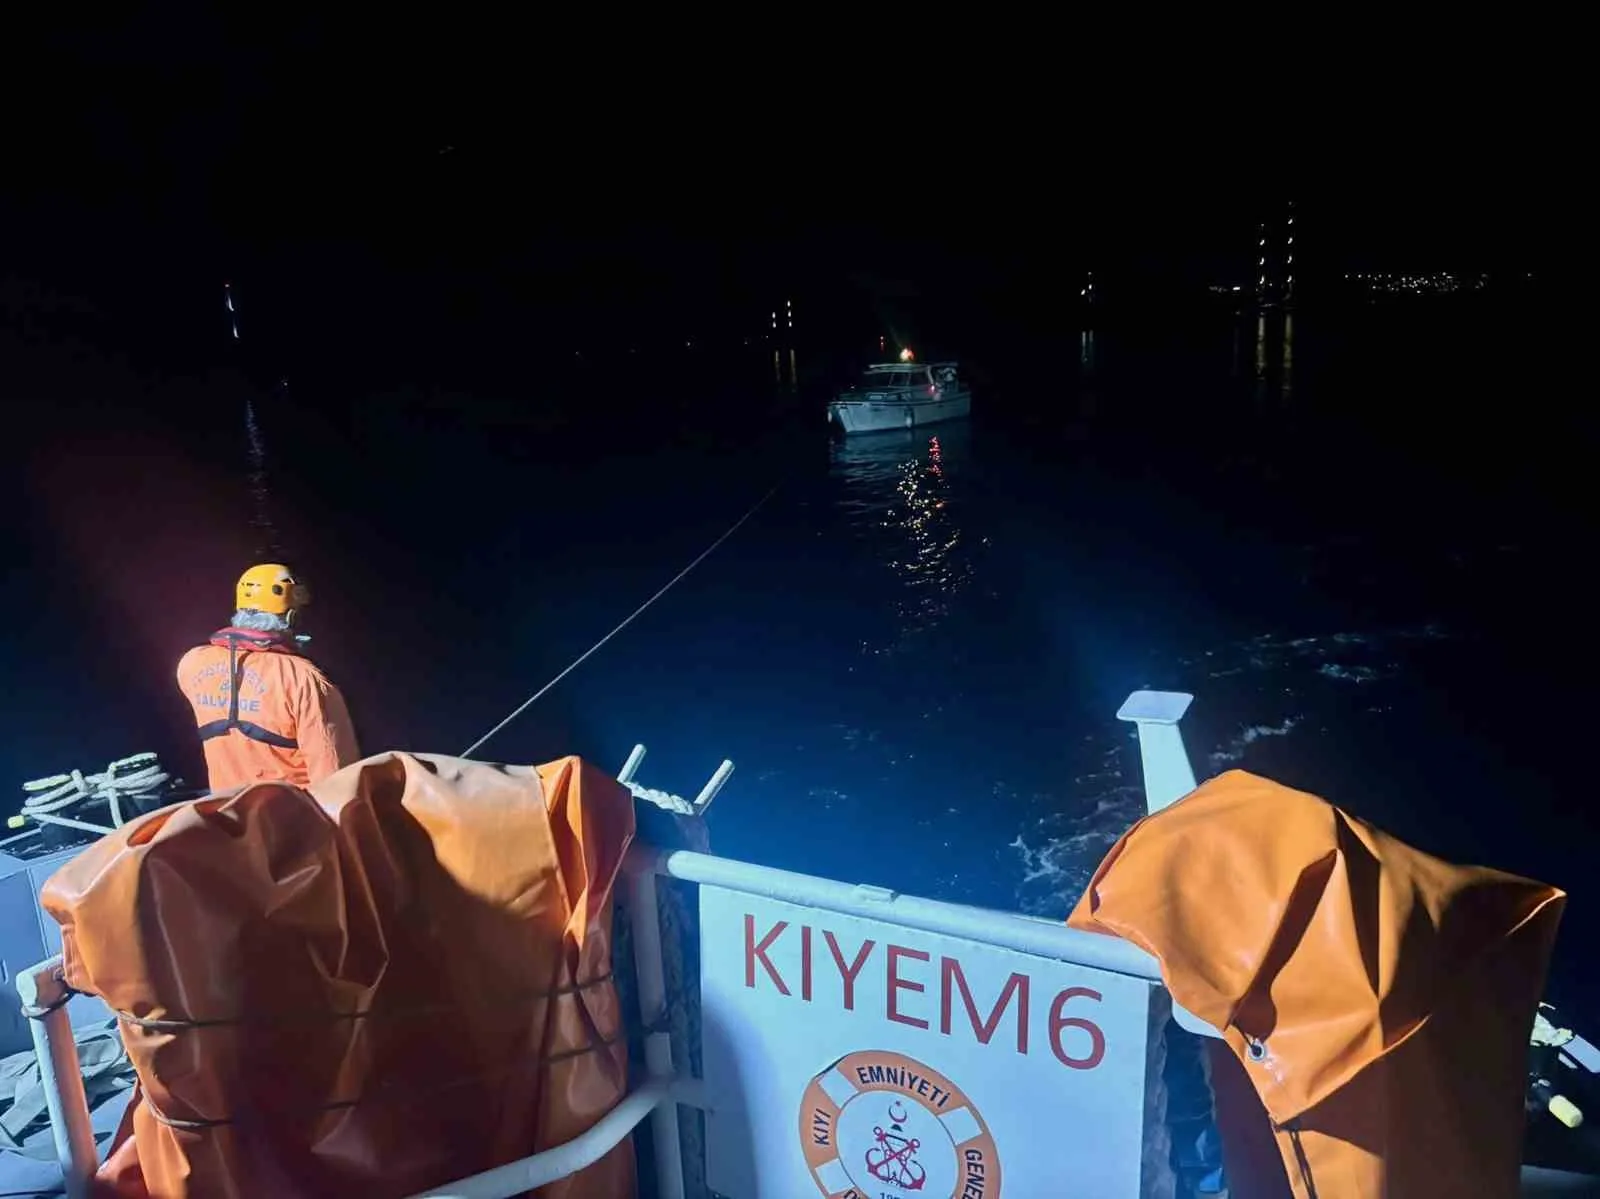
44 1001
1006 930
45 994
568 1158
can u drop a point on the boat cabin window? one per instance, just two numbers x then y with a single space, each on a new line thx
885 380
920 376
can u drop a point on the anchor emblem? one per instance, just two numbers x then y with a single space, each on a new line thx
893 1158
879 1125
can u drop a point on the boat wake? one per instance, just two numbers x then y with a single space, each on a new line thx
1270 688
1235 749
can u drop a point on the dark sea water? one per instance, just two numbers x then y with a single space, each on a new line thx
1363 556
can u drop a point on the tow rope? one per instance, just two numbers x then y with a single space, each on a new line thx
582 658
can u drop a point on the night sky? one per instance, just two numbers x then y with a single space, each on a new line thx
368 183
439 211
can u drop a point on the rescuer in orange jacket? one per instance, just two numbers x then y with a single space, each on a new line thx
264 711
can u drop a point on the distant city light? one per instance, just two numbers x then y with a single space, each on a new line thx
1439 283
906 355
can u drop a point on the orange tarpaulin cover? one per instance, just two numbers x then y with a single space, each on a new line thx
399 978
1379 999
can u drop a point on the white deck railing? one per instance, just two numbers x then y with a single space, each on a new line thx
44 1001
1168 776
583 1150
45 993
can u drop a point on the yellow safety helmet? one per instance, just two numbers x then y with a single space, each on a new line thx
271 587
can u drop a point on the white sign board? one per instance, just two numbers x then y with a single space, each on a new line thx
857 1059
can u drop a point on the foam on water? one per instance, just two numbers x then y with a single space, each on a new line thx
1234 750
1252 695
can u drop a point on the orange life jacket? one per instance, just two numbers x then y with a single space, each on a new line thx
264 712
267 643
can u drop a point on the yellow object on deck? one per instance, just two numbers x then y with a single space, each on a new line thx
1566 1111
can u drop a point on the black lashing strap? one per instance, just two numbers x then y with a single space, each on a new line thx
220 728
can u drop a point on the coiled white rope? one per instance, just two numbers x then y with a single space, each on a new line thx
140 774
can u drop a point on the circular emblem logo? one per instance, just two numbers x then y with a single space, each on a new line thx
883 1126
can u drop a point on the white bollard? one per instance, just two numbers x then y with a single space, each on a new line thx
1168 777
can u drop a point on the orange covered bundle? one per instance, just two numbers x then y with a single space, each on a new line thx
1378 999
396 979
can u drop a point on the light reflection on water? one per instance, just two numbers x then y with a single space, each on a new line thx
901 495
1273 338
960 694
911 509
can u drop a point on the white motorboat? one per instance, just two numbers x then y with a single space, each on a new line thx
901 395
